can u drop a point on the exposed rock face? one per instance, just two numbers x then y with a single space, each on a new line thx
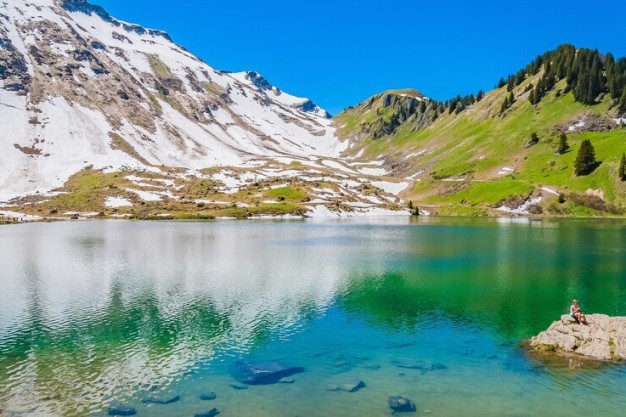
603 339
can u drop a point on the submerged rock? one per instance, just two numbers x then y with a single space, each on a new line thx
211 413
121 410
424 366
262 373
237 385
166 399
209 396
603 339
401 404
347 387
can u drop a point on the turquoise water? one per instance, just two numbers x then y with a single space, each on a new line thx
108 312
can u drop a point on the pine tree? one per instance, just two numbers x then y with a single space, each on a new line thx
532 97
511 99
585 161
622 101
563 145
505 105
622 168
501 82
480 95
510 84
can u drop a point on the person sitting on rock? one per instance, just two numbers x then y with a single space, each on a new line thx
577 313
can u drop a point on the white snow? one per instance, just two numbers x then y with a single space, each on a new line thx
146 195
549 190
522 209
577 126
321 211
19 216
116 202
391 187
506 171
373 171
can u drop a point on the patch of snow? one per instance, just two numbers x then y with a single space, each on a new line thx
506 171
146 195
577 126
391 187
338 166
549 190
414 154
373 171
522 209
19 216
116 202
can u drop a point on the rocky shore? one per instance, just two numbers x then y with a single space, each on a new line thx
604 338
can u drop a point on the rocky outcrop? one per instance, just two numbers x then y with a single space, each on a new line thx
604 338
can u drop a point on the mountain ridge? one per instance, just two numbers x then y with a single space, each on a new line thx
85 96
475 155
109 118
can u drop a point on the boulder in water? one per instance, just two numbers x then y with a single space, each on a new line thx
209 396
347 387
262 373
401 404
211 413
121 410
165 399
604 338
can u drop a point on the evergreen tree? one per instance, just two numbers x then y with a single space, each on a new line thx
622 102
505 105
510 84
563 145
585 161
622 168
511 99
532 97
480 95
501 82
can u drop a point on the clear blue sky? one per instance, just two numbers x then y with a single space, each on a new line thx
339 52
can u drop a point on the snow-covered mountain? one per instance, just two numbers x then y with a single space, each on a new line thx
79 88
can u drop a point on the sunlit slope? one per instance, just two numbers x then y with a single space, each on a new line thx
480 159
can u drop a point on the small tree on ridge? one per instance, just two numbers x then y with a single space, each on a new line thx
585 161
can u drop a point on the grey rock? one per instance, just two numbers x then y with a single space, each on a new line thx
401 404
121 410
209 396
286 380
347 387
237 385
165 399
211 413
603 339
262 373
424 366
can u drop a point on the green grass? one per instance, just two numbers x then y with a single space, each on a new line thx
159 68
86 191
212 87
287 193
478 142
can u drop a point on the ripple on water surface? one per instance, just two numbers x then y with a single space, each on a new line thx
101 313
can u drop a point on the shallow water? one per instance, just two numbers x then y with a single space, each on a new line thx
106 312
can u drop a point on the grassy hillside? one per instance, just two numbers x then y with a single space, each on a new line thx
473 161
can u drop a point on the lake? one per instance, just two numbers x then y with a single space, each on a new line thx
99 313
